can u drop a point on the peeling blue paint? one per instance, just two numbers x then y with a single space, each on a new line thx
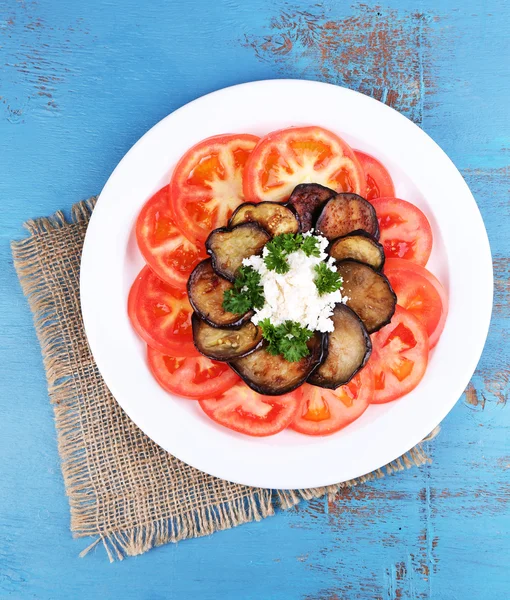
111 72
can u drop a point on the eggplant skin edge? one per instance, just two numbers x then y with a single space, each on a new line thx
369 236
355 198
238 209
265 391
195 322
368 354
212 254
309 218
395 299
235 324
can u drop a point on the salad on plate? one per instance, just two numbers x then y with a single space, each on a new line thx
285 284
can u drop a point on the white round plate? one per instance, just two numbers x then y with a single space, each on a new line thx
422 174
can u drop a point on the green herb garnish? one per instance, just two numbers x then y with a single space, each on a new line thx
277 262
310 246
286 243
288 339
246 294
327 281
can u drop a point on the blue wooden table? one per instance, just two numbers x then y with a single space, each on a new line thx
80 82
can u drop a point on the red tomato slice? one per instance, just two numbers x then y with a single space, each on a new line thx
285 158
378 181
419 292
132 300
325 411
133 295
163 316
206 185
405 230
192 377
243 410
399 356
168 253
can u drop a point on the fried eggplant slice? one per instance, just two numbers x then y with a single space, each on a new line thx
370 294
274 217
205 291
345 213
307 199
273 375
349 348
225 344
359 246
228 247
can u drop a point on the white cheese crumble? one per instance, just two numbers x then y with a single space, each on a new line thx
293 295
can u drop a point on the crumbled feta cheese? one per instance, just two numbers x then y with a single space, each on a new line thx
293 295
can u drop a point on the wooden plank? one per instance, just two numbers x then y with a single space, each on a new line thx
80 83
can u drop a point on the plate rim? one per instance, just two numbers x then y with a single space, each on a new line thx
86 279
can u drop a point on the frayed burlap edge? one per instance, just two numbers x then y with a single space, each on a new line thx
71 442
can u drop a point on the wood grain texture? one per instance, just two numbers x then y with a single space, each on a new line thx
80 83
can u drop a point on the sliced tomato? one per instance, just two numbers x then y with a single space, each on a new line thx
206 185
285 158
165 249
378 181
192 377
399 356
404 230
132 300
419 292
325 411
133 295
243 410
162 315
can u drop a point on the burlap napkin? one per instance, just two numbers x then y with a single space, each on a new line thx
124 489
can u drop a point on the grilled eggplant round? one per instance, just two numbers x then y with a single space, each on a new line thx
225 344
345 213
349 348
272 375
370 294
205 291
274 217
360 246
228 247
307 200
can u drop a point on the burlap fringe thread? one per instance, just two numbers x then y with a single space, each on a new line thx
71 444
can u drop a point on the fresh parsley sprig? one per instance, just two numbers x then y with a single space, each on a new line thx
327 281
276 259
246 294
286 243
288 339
310 246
